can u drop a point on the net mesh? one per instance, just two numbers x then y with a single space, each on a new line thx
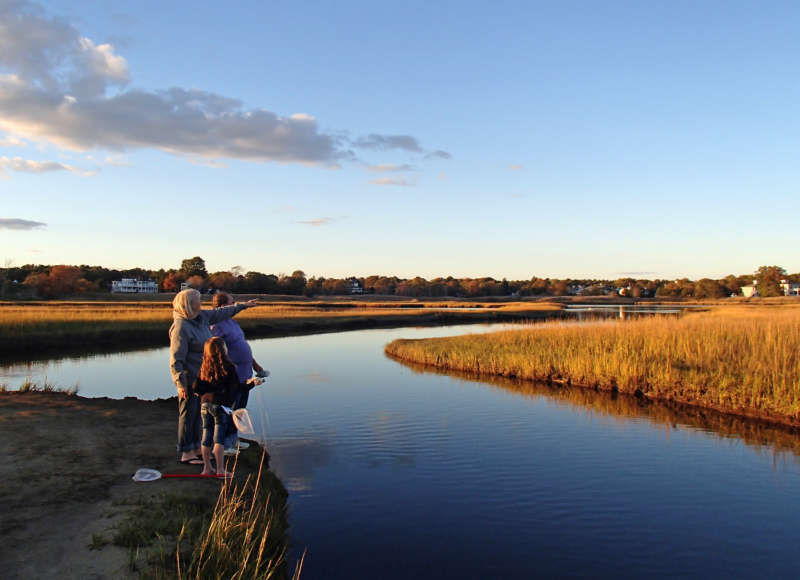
146 475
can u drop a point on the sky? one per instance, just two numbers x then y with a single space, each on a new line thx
505 139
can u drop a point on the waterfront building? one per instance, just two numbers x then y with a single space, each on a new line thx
133 286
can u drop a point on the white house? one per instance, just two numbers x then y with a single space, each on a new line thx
790 288
750 290
132 286
354 286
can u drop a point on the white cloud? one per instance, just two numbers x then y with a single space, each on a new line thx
58 92
116 160
30 166
19 224
316 222
11 141
389 168
401 181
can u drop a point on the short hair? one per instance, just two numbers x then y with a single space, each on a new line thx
221 299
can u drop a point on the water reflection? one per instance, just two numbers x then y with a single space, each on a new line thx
295 460
782 441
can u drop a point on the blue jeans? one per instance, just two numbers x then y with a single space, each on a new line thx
188 424
215 421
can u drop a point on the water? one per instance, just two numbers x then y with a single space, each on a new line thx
397 473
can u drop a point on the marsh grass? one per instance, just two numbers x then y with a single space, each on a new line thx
54 325
238 533
744 359
29 386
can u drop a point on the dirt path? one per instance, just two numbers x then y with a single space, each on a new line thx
65 479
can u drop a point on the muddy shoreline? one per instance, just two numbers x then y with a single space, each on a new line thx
67 488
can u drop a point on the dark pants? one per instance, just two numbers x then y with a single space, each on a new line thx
188 424
215 420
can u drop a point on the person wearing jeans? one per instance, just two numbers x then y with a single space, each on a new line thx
216 385
241 356
191 328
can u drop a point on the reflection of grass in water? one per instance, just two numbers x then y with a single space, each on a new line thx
623 408
741 359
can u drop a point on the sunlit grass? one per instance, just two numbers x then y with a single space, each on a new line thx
738 358
54 324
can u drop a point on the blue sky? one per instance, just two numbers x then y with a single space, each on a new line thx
571 139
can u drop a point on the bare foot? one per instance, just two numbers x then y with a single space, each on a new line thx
225 474
206 472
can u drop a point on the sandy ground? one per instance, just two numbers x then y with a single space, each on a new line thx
66 467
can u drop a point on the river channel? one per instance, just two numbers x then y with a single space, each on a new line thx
394 472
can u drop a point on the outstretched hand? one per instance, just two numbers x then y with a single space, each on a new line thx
251 303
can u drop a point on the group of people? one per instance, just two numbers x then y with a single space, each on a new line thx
212 366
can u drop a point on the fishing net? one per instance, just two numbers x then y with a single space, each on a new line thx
146 475
241 418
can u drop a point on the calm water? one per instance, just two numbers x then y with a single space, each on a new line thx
394 473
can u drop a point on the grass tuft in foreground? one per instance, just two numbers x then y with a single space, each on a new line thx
739 359
29 386
186 535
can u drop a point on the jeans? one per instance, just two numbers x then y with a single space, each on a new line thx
188 424
215 421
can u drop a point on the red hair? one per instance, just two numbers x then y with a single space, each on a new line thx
215 360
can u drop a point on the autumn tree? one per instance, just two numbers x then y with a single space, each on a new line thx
222 281
708 288
769 280
194 267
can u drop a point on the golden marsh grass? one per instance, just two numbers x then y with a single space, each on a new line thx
742 358
59 324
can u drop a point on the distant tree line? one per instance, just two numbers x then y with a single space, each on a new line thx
54 281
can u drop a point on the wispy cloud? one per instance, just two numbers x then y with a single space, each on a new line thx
20 224
389 168
316 222
11 141
634 273
438 154
402 181
30 166
515 167
377 142
66 90
116 160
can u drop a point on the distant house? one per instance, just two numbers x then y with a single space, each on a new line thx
353 286
750 290
790 288
133 286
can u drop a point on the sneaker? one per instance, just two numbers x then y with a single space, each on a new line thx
231 451
243 445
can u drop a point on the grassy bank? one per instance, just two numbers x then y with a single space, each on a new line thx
68 459
62 325
740 359
242 533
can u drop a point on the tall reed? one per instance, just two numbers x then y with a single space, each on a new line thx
741 358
